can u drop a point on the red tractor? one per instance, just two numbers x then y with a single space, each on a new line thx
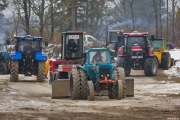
136 53
71 55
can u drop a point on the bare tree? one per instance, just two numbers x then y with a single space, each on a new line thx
39 8
27 15
155 6
3 4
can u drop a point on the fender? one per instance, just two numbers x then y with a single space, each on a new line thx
41 56
15 55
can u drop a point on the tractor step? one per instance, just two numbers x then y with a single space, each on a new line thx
60 88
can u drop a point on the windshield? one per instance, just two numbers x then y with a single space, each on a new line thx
113 36
132 41
3 48
99 57
74 45
156 44
22 45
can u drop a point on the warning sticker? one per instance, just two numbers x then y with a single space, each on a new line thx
73 36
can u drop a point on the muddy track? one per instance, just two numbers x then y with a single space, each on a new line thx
155 97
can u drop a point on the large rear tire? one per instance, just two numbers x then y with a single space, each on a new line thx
150 66
75 84
166 61
41 71
84 86
121 62
90 91
3 69
14 71
121 76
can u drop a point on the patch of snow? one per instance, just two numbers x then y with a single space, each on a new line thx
175 53
174 70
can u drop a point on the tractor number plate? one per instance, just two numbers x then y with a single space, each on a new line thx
73 36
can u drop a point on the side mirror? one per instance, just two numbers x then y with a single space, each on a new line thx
46 43
8 41
152 37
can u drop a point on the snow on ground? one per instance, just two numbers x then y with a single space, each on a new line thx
175 53
174 70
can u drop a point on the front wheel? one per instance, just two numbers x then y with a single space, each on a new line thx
90 91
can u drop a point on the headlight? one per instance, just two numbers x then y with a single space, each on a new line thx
60 67
107 75
101 75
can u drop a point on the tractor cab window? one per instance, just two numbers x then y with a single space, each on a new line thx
99 57
156 44
133 41
113 36
28 46
3 48
74 46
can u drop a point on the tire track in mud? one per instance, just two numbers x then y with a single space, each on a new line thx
28 86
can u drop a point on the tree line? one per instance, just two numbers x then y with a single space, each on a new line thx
48 18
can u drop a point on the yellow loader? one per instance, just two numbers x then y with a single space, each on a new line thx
160 50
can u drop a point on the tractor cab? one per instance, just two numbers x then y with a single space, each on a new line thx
161 51
114 39
159 44
98 60
136 41
72 45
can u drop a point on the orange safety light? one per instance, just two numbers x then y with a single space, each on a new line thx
14 35
108 47
84 32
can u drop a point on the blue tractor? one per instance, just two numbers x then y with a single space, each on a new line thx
4 58
28 58
97 73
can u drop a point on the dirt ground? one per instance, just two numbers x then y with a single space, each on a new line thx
155 98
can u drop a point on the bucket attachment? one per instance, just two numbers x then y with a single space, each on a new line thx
60 88
129 87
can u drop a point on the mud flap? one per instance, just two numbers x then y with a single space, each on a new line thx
129 87
60 89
